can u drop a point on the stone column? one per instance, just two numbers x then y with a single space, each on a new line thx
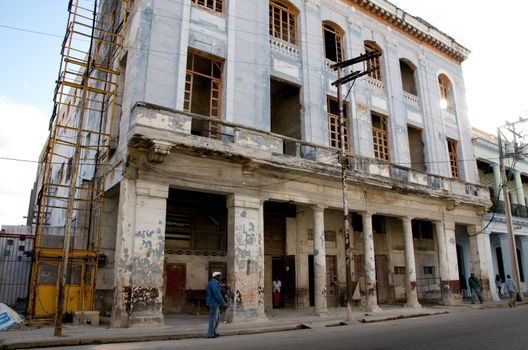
491 273
245 257
478 258
452 262
319 261
140 254
370 264
496 176
301 257
410 265
519 190
442 262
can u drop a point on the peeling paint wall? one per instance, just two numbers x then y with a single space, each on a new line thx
140 254
245 262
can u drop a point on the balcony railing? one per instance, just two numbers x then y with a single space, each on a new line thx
517 210
410 98
152 125
284 46
375 83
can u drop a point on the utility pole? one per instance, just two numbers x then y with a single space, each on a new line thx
343 161
507 205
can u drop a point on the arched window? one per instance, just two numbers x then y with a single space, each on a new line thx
333 42
282 22
375 62
407 76
446 95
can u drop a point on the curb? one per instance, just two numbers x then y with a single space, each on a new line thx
399 317
74 341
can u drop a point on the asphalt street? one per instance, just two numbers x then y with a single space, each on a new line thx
497 329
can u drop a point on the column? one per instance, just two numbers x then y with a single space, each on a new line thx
370 264
519 190
245 257
496 176
478 258
319 261
491 273
410 265
140 254
301 257
453 277
442 263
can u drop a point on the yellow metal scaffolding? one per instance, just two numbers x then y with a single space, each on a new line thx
71 178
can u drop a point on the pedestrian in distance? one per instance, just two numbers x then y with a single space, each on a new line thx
276 290
214 300
498 284
475 285
511 288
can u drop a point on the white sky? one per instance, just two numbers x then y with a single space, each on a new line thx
495 75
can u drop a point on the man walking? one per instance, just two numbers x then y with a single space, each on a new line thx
475 286
214 300
511 288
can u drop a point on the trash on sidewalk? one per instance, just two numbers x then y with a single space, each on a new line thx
8 317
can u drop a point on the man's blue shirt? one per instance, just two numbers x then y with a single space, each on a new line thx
213 296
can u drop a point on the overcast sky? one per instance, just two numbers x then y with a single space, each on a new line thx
495 74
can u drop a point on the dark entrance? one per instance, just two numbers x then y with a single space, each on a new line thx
282 266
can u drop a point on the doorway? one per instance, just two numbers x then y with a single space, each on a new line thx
175 290
285 113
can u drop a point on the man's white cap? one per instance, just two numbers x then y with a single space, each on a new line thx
216 273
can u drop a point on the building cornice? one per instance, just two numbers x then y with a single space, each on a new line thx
414 26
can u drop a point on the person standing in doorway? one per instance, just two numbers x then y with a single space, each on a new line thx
475 285
511 288
498 284
277 286
214 300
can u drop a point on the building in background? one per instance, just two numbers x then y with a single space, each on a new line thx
16 245
222 156
495 232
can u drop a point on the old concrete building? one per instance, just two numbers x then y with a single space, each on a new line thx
224 157
495 232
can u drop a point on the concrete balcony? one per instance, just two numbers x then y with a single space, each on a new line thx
162 130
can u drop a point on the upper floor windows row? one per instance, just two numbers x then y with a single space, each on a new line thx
283 26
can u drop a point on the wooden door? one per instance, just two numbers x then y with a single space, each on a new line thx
382 278
331 281
175 288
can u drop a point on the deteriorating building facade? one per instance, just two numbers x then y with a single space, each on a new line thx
225 157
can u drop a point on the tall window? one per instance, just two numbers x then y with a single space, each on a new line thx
214 5
373 62
333 41
333 124
453 158
203 92
446 101
380 137
407 77
282 22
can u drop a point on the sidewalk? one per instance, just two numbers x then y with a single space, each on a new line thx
189 326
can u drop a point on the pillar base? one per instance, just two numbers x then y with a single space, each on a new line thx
321 313
372 308
244 316
414 305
